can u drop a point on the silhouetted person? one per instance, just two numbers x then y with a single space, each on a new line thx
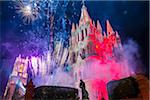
84 91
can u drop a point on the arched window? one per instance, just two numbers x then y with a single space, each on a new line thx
82 35
86 31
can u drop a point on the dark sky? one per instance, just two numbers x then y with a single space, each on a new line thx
129 18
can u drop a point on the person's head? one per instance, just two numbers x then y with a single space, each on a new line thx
81 80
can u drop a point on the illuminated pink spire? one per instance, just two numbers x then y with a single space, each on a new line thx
99 28
84 16
118 41
109 29
77 35
77 26
117 35
104 35
93 23
73 28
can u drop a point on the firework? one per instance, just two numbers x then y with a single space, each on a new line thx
29 11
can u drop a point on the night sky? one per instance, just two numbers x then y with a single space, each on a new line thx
129 18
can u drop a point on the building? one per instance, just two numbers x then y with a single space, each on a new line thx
18 78
89 40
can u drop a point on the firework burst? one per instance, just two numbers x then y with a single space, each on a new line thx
29 11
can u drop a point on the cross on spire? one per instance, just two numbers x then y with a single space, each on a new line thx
83 2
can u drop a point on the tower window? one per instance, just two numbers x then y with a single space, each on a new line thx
86 32
82 35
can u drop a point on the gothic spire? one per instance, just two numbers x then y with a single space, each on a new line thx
117 35
109 29
73 28
104 34
93 23
99 26
84 18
